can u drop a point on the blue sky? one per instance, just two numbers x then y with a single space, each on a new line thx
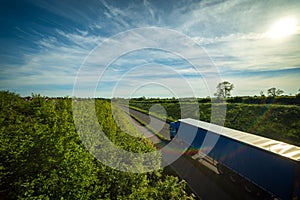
45 44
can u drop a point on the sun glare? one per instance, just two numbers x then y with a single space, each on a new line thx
283 28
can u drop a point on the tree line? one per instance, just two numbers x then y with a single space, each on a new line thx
224 91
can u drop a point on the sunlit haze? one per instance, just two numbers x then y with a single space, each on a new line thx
283 28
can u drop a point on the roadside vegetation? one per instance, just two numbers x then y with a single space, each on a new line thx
265 116
42 156
272 115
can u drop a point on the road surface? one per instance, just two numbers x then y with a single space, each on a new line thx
202 186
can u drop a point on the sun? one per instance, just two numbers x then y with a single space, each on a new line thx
283 28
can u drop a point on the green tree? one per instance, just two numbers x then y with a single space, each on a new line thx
262 93
273 92
42 156
224 89
298 94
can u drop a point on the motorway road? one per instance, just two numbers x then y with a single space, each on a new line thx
202 186
157 124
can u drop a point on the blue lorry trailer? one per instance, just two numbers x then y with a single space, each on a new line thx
267 164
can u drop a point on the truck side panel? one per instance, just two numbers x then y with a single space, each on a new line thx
271 172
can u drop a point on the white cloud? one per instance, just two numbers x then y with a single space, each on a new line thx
95 26
56 64
150 10
117 15
261 54
81 38
233 34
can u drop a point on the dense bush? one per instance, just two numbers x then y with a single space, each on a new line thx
42 156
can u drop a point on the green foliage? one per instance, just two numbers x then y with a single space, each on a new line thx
273 92
42 156
273 121
114 131
224 89
279 122
280 100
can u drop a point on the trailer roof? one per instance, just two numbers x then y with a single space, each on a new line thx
277 147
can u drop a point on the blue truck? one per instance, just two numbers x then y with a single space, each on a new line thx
262 165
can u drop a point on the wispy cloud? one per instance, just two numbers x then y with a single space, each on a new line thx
53 43
55 65
81 38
